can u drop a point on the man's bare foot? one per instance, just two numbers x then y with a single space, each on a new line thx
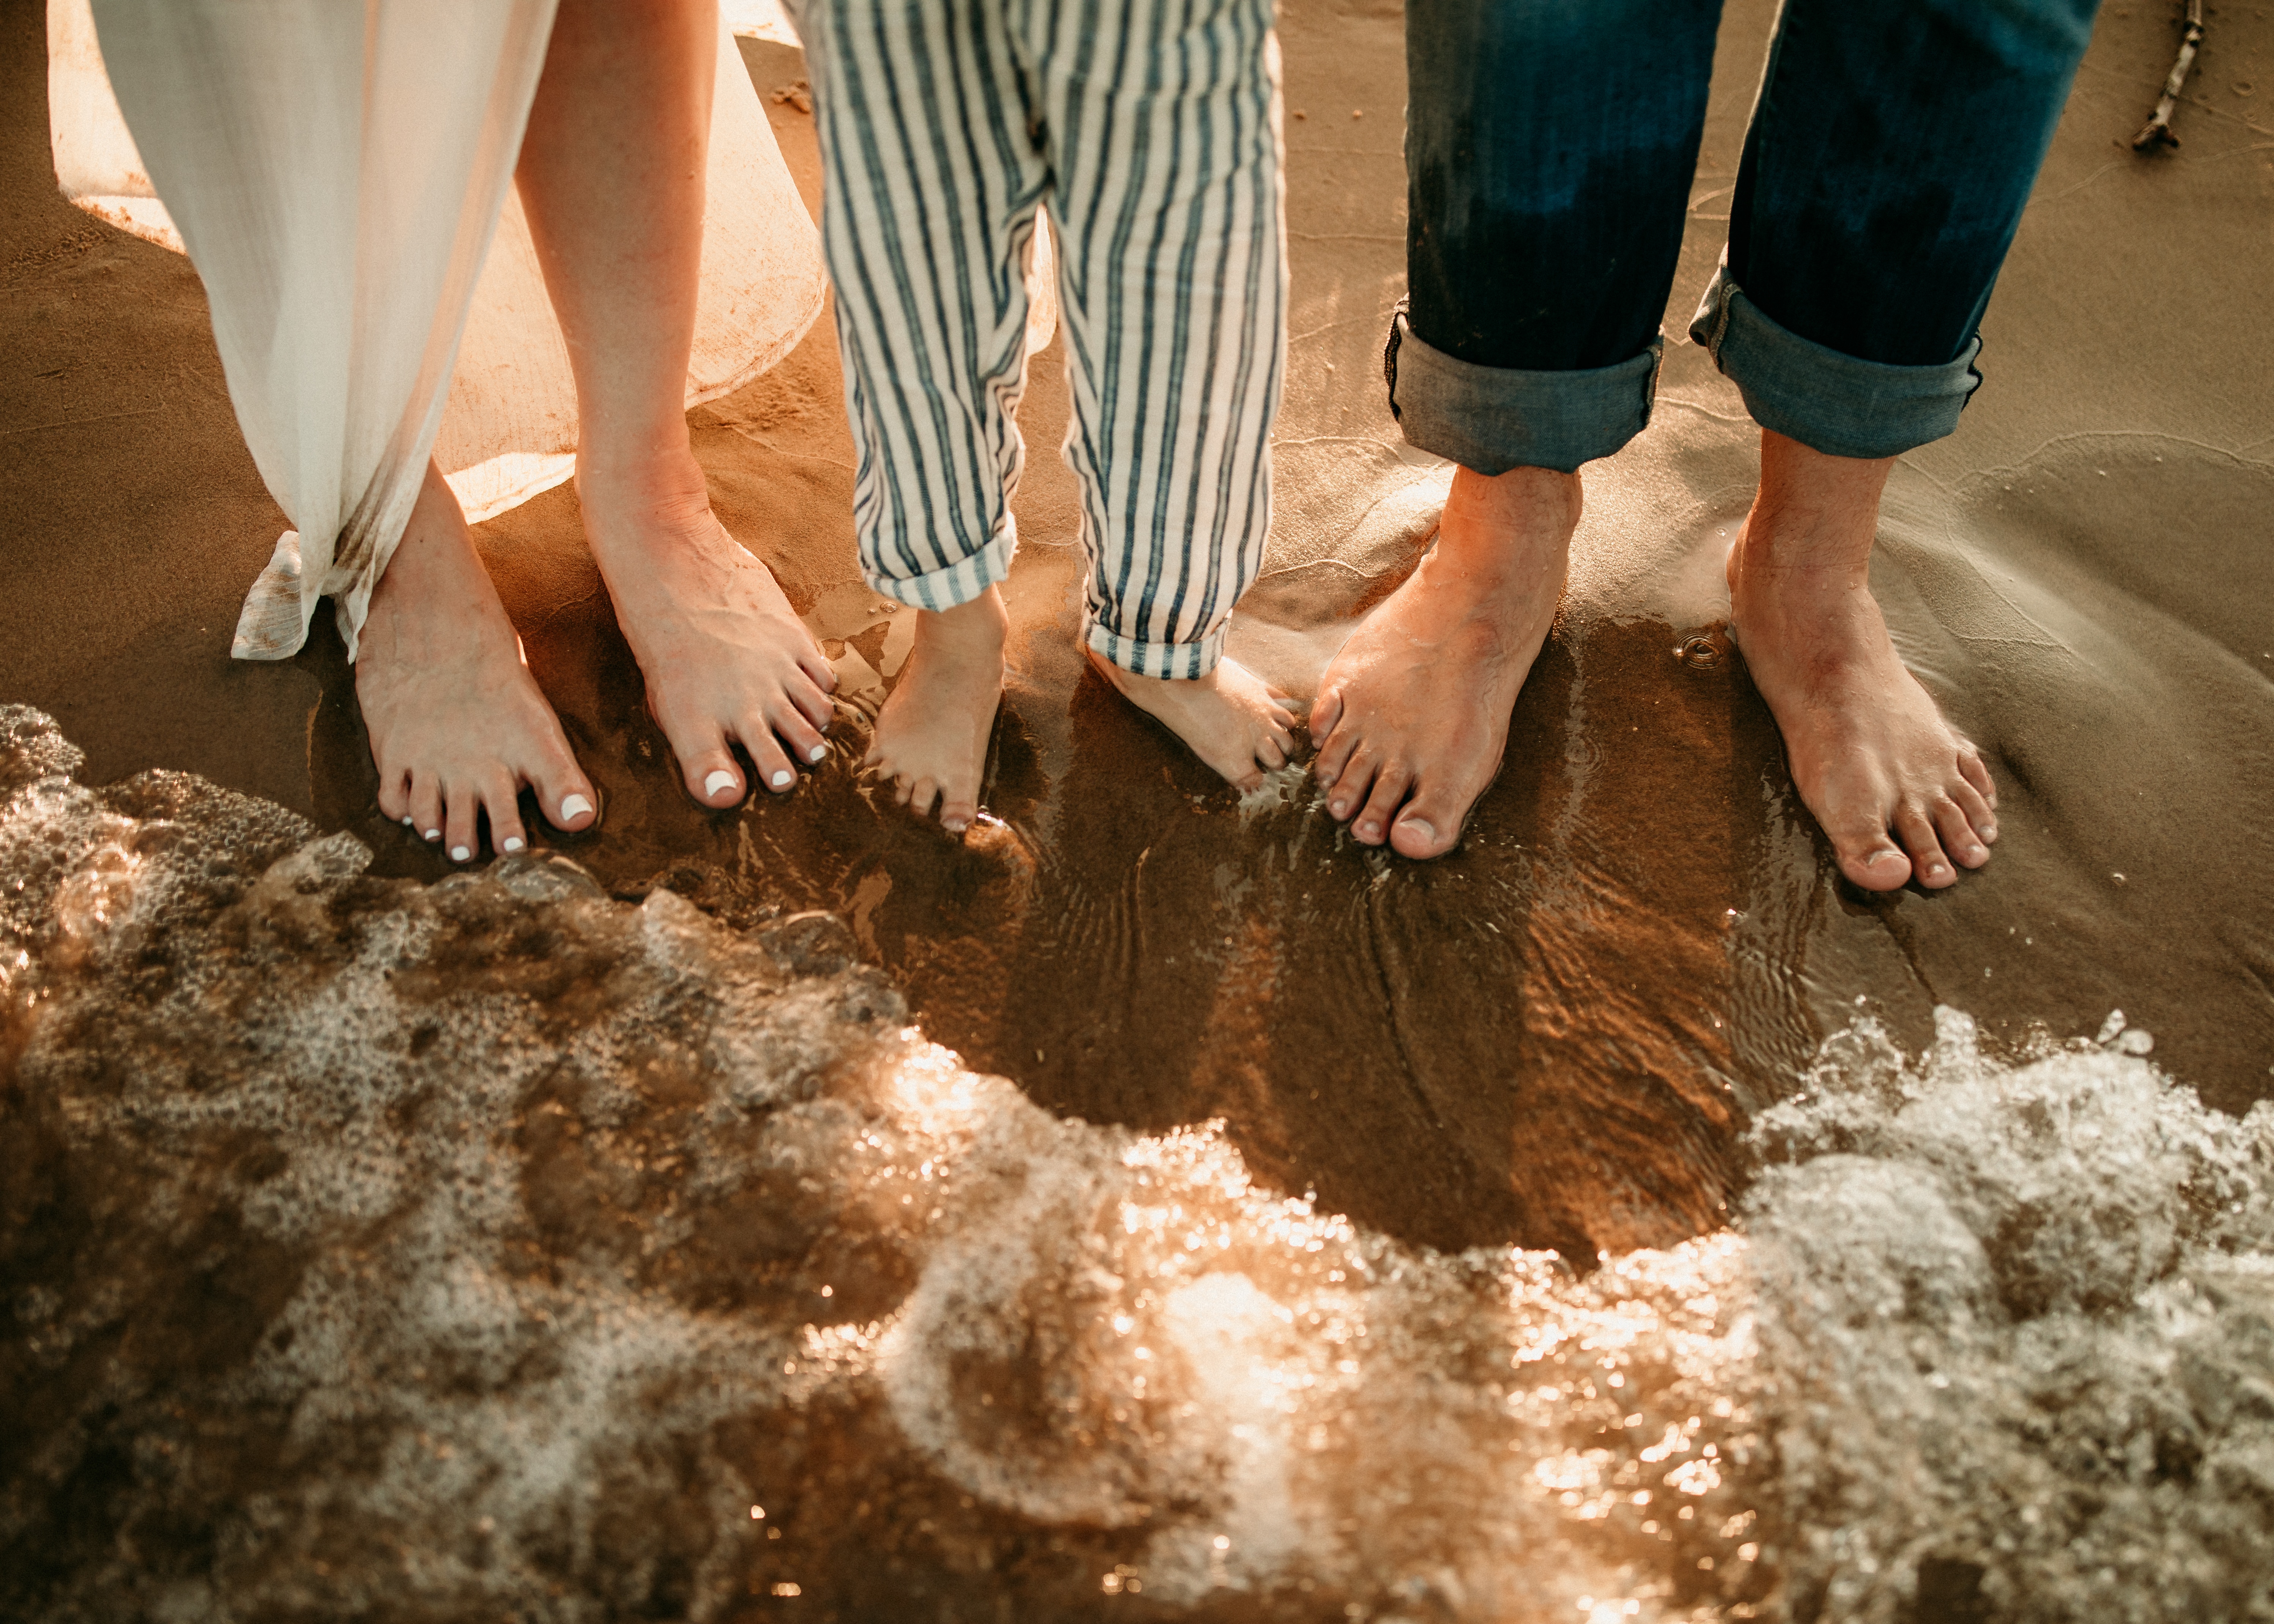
1870 754
1233 720
457 724
726 659
931 735
1413 712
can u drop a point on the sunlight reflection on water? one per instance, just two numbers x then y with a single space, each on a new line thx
539 1242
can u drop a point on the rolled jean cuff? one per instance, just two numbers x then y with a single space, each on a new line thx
959 583
1492 419
1828 401
1175 661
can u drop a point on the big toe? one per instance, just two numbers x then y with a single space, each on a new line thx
1875 865
1430 825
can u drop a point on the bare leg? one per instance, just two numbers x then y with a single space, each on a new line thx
1870 754
611 176
457 724
931 735
1413 712
1230 718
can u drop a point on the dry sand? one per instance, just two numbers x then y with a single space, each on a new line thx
1643 929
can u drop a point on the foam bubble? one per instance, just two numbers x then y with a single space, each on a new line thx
495 1245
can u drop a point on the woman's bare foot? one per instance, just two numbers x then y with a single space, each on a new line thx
726 659
931 735
1870 754
1413 712
1233 720
457 724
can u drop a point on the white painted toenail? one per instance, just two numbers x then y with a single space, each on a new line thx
816 752
719 780
433 834
780 780
409 822
574 806
513 843
459 854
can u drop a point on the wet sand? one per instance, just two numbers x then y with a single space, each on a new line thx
1555 1037
2082 573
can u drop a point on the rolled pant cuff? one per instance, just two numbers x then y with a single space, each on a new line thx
957 584
1492 419
1828 401
1174 661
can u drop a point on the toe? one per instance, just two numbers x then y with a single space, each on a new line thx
815 666
427 808
1347 792
808 694
920 797
715 781
957 811
1978 814
1372 824
1958 837
1976 773
1916 830
774 770
799 736
461 822
1326 710
1868 857
1430 825
394 797
1271 752
502 801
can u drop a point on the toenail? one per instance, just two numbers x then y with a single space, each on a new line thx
459 854
1428 829
409 822
512 844
1339 807
780 780
816 752
433 834
574 807
719 780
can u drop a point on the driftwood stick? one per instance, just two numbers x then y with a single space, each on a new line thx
2157 131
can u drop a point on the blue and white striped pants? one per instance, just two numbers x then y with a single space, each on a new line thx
1149 131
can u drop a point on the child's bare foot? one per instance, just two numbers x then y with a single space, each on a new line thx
1233 720
457 724
1413 712
1870 754
726 659
931 735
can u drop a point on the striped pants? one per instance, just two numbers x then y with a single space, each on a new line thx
1149 131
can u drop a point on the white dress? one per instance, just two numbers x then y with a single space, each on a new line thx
339 174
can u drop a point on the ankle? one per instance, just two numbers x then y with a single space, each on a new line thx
977 627
659 472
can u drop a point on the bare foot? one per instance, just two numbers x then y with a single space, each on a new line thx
726 657
1413 712
1870 754
931 735
1233 720
457 724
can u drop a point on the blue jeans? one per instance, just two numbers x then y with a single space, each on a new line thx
1549 150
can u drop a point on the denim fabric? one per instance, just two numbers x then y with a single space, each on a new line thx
1493 418
1550 148
1834 402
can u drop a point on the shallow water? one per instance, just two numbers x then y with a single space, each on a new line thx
497 1246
